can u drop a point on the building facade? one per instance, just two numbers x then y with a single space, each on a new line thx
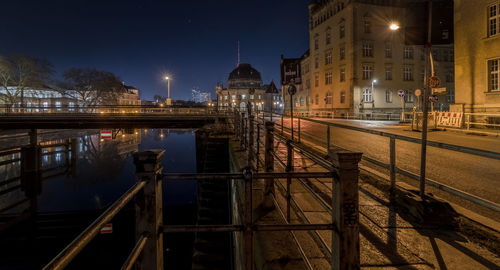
477 55
244 86
129 96
357 64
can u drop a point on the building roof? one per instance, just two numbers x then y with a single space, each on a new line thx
244 72
272 89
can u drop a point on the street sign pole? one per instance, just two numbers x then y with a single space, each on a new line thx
425 105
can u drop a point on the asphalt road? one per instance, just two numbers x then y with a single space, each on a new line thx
477 175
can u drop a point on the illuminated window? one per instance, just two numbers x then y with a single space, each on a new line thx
342 97
367 95
328 98
409 97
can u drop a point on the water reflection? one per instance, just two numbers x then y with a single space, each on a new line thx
89 171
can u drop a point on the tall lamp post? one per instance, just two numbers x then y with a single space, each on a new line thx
169 101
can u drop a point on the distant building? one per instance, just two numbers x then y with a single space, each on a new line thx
245 85
477 55
201 97
129 96
356 64
40 98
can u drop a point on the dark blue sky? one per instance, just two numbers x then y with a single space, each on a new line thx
140 41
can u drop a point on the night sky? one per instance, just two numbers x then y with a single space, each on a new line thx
140 41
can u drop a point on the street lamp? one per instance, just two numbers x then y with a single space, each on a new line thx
169 101
373 93
394 26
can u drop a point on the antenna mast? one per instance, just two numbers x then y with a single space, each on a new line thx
238 54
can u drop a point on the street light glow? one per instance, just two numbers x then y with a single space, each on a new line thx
166 78
394 26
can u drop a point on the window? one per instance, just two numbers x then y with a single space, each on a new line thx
328 38
342 53
233 97
316 44
367 95
493 20
243 96
251 96
408 52
316 62
308 84
407 73
328 98
342 31
388 50
388 96
316 99
316 80
328 78
409 97
367 27
450 96
225 97
367 49
342 74
301 101
342 97
260 97
367 72
328 58
58 105
493 74
388 73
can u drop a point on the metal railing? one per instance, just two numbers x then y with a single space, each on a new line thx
148 251
391 166
108 109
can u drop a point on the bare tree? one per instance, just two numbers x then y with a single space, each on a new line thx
19 73
91 87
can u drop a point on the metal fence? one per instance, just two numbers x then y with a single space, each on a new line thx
148 251
299 136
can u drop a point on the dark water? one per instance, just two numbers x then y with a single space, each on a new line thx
104 171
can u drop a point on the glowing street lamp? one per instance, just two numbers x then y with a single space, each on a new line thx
169 101
394 26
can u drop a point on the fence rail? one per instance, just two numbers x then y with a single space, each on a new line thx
392 149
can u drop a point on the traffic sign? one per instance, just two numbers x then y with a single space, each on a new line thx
437 91
418 92
433 98
292 89
434 82
401 93
107 229
106 134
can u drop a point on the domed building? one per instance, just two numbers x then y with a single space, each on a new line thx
245 85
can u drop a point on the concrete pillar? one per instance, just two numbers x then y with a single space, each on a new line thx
345 205
148 208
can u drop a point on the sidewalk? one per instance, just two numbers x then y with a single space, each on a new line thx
389 238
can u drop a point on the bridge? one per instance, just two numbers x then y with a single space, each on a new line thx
96 117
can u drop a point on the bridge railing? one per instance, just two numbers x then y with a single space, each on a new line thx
324 139
108 109
148 251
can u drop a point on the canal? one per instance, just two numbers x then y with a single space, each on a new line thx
76 185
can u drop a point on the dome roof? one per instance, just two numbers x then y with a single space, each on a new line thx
244 76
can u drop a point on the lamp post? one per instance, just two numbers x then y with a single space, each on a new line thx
169 101
373 94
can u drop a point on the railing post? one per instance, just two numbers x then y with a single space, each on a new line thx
289 168
345 205
327 139
468 121
269 160
298 126
250 152
148 208
248 219
282 124
257 141
392 168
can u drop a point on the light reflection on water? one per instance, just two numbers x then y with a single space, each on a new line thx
105 169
